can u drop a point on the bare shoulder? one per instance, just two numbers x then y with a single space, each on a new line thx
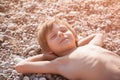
91 49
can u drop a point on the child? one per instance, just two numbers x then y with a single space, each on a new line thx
60 45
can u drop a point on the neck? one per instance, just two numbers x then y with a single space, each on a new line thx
67 52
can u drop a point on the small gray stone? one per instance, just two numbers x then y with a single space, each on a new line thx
26 78
17 78
42 78
36 78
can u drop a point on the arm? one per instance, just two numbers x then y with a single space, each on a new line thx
36 64
86 40
97 40
92 39
36 67
41 57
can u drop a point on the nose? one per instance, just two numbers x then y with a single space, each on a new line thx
60 34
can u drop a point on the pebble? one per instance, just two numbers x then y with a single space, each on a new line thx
2 8
14 72
32 52
5 37
17 78
36 79
11 26
30 48
17 59
3 28
59 78
1 38
26 78
42 78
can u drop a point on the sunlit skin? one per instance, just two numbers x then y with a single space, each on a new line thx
87 62
60 40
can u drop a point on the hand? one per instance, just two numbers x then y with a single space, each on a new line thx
49 56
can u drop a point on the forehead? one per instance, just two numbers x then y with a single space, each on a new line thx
56 26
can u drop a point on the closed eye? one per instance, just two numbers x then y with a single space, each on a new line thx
53 36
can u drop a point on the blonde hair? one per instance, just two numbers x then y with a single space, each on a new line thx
46 27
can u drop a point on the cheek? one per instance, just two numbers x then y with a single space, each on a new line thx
53 46
52 43
71 36
73 39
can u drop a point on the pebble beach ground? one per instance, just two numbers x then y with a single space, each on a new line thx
19 20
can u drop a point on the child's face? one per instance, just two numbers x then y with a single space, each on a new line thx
60 39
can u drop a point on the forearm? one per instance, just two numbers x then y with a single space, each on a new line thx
86 40
36 67
39 57
97 40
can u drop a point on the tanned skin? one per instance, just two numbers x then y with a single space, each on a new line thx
89 61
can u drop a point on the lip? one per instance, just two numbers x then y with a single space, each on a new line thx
63 40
